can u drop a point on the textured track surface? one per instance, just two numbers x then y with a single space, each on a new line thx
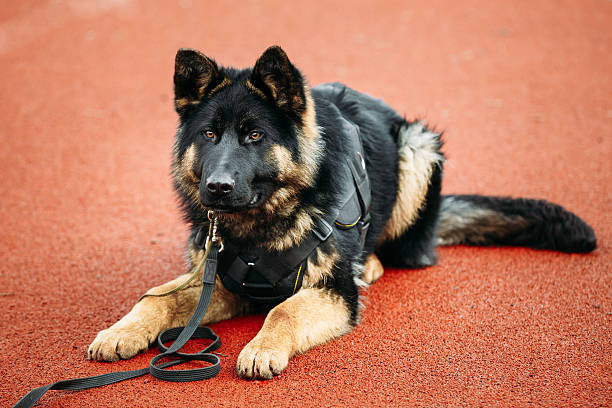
88 220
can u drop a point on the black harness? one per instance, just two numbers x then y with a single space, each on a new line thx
270 276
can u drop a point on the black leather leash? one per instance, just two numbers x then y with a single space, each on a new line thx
180 335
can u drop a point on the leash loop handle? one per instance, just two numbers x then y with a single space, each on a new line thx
180 335
183 334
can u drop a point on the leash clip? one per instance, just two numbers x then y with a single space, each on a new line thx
213 237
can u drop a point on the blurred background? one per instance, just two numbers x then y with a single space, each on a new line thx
522 90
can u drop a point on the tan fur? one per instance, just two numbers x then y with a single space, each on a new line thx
186 164
281 203
285 199
255 90
140 327
272 88
226 81
204 81
372 269
318 273
307 319
302 173
302 226
418 155
182 168
280 156
242 227
182 103
311 146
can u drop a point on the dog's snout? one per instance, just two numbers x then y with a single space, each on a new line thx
220 186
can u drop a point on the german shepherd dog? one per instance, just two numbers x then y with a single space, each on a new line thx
264 151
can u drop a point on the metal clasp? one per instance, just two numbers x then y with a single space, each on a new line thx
212 233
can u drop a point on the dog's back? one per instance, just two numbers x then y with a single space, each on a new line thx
410 215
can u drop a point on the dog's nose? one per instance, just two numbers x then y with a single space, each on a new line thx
220 187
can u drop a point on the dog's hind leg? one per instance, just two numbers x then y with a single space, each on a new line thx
416 246
140 327
311 317
409 238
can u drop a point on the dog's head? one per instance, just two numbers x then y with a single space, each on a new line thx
247 139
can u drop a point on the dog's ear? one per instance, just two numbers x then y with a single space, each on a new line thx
279 80
195 76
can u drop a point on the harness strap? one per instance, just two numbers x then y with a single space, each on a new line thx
364 195
180 335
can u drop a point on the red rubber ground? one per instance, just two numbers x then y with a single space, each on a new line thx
523 90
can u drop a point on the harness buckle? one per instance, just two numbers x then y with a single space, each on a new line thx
322 229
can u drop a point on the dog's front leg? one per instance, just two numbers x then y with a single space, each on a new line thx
140 327
311 317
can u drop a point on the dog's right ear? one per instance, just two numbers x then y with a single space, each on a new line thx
195 76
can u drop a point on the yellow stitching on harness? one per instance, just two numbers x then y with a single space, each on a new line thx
347 225
297 278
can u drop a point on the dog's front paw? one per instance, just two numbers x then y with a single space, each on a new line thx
114 344
262 359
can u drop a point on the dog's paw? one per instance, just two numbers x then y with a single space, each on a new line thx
372 270
370 276
261 359
114 344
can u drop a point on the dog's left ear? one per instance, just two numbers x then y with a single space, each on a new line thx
279 80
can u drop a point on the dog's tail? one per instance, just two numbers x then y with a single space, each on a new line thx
484 220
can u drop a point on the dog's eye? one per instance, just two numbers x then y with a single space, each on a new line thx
255 135
209 134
